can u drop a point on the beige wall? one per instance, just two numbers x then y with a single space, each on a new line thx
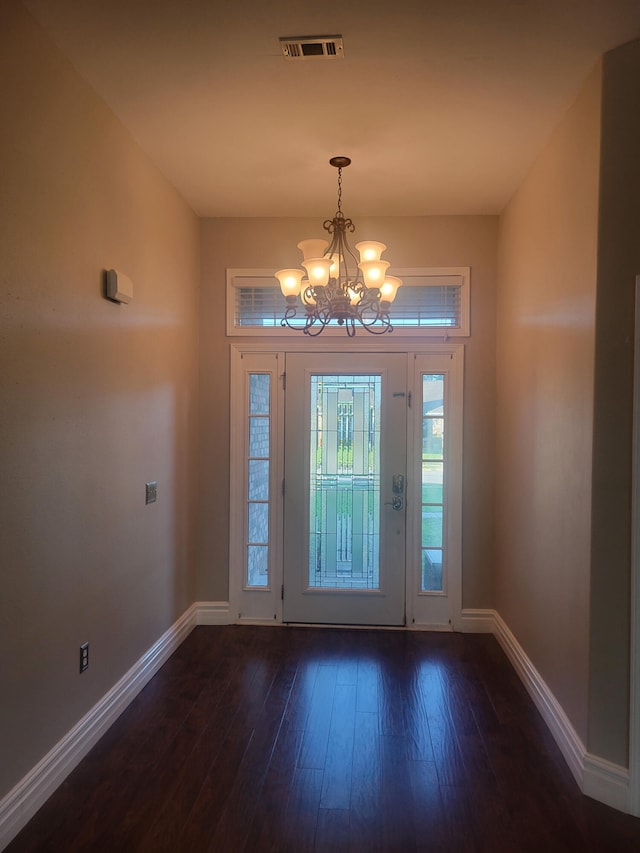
97 399
413 242
545 357
618 265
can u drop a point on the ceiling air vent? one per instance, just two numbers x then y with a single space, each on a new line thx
312 47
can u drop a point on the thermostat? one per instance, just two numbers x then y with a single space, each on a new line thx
119 286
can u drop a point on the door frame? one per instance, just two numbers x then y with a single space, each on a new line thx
634 691
269 600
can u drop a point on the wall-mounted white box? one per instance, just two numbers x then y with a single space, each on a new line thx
119 287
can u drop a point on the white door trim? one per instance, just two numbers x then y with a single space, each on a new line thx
423 612
254 605
634 709
273 613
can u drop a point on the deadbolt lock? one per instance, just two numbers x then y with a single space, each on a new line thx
398 484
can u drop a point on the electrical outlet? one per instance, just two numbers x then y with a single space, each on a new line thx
151 492
84 657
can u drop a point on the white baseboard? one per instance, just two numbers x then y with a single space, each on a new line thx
477 621
596 777
20 804
606 782
212 612
563 732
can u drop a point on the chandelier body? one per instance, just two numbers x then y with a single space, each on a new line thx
338 287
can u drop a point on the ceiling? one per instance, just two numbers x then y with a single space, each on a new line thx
442 105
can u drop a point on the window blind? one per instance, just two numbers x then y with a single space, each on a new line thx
426 301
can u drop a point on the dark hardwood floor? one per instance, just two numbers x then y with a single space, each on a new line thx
295 739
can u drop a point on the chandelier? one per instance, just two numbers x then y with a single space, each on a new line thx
339 288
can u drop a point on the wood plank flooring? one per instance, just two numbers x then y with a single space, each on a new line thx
305 739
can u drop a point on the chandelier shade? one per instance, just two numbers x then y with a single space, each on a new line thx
312 248
373 272
370 250
290 282
389 288
318 270
339 289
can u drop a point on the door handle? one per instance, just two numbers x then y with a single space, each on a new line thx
397 503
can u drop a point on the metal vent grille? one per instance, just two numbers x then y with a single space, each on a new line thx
312 47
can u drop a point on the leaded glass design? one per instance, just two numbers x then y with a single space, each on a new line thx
258 458
344 482
433 436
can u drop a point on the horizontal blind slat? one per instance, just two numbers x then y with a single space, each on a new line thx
259 306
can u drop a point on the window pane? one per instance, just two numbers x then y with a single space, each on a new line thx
425 301
432 393
258 480
433 438
432 526
259 394
259 523
257 505
432 482
257 565
344 485
259 437
431 570
427 305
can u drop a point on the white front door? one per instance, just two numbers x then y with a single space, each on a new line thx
345 497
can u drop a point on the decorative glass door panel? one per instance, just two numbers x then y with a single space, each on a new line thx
344 537
344 482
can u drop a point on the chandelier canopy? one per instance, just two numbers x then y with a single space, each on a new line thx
338 287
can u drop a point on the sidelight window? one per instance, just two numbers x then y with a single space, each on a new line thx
432 481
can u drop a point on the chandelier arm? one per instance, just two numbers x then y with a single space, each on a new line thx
372 316
289 315
375 330
370 304
322 324
314 323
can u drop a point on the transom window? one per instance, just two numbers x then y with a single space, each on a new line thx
431 301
